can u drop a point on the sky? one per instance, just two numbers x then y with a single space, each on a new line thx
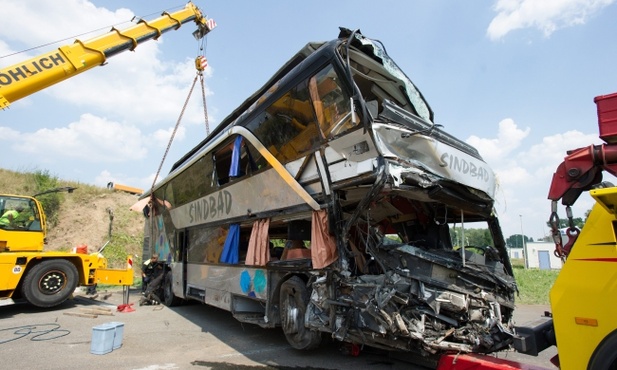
514 78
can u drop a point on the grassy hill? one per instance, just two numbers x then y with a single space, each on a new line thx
83 217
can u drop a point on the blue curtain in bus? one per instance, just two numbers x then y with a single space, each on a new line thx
234 170
230 249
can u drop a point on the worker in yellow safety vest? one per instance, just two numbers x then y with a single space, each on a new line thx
9 216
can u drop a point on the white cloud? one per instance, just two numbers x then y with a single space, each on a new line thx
136 85
545 15
105 177
4 50
133 101
161 137
508 138
553 149
524 173
44 20
8 134
91 139
513 176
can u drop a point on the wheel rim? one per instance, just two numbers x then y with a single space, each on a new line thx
291 316
52 282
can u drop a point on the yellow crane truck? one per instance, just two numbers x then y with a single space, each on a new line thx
44 278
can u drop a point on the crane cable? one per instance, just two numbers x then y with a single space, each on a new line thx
200 64
173 134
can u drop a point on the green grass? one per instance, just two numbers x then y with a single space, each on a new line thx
534 285
116 251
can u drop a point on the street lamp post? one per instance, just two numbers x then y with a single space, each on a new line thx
523 244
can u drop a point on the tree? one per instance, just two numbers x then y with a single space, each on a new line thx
43 181
516 241
475 237
564 222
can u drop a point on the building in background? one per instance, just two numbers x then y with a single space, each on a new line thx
539 255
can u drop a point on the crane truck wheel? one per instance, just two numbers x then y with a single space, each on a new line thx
50 283
605 357
294 298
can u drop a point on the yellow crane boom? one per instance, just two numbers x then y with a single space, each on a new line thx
25 78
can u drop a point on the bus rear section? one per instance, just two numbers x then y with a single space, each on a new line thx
329 203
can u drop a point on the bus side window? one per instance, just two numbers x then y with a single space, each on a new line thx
334 103
169 195
243 247
222 162
288 127
190 184
215 178
205 244
232 161
158 203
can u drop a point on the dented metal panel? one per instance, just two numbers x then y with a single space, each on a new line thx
221 282
427 303
435 157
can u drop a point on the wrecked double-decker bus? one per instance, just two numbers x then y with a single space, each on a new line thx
330 204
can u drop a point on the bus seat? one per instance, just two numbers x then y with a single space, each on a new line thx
298 253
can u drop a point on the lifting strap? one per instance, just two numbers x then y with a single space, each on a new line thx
200 64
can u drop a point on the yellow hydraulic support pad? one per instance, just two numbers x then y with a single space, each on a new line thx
25 78
107 276
584 296
114 277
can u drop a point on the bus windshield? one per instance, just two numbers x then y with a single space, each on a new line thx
394 80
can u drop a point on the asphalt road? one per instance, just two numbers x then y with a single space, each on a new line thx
192 336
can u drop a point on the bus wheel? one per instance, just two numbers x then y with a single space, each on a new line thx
294 298
50 283
169 299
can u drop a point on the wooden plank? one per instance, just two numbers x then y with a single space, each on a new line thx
94 311
97 308
91 316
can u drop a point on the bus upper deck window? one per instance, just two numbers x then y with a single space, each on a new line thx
287 127
332 105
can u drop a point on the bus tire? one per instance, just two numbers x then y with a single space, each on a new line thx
294 298
50 283
605 357
169 299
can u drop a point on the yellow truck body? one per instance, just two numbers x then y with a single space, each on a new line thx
44 278
584 296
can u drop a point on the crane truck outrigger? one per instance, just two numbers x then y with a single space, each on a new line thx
27 77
